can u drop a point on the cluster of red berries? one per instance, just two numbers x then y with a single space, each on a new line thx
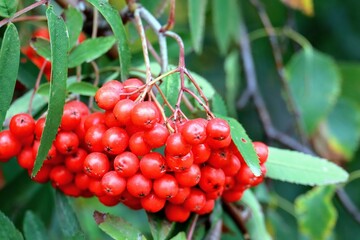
127 154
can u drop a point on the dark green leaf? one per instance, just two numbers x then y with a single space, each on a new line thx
197 22
117 227
218 105
28 72
59 56
21 104
44 90
256 223
232 81
89 50
170 87
314 81
296 167
160 227
179 236
34 228
112 17
7 229
350 85
244 144
232 231
74 23
215 219
316 213
224 13
82 88
42 47
280 229
8 7
66 216
9 66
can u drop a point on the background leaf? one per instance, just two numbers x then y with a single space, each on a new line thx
9 66
179 236
74 23
314 80
66 216
90 49
350 84
117 227
244 144
8 7
21 104
296 167
170 87
232 81
42 47
315 212
59 56
34 228
218 105
112 17
8 230
82 88
197 23
160 227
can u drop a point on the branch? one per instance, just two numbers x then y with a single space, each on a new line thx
348 204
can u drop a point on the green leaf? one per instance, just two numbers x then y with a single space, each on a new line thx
207 88
90 49
59 56
224 14
233 232
256 223
170 88
350 85
7 229
74 23
197 23
160 227
316 213
117 227
21 104
9 66
300 168
232 81
218 105
70 226
339 135
44 89
83 88
8 7
244 144
111 15
179 236
42 47
34 228
28 72
314 81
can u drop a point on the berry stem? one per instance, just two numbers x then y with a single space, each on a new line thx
192 227
37 84
171 20
206 108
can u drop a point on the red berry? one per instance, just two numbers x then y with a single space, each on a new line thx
75 161
82 180
26 158
122 111
96 187
232 196
262 151
194 132
166 186
152 165
195 201
96 165
219 143
190 177
10 146
176 145
70 190
137 144
126 164
118 86
219 157
176 213
201 153
80 106
233 166
218 129
108 200
179 163
180 197
52 153
42 176
93 138
245 176
144 115
106 97
211 179
94 119
39 128
113 184
209 206
115 140
130 201
60 175
110 120
71 117
157 136
22 125
132 85
66 142
138 185
152 203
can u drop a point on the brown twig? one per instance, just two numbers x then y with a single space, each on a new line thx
30 18
192 227
171 20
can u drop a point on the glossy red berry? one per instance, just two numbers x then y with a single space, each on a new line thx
189 178
122 111
232 196
74 162
207 208
115 140
262 151
113 184
218 129
166 186
10 146
42 176
39 128
179 163
176 213
110 120
126 164
194 132
201 153
26 158
144 115
219 157
108 200
22 125
82 180
211 179
233 166
195 201
152 165
96 187
71 117
152 203
106 97
60 175
180 197
132 86
66 142
96 165
139 186
70 190
93 138
137 144
94 119
176 145
130 201
157 136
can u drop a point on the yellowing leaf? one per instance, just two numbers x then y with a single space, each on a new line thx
306 6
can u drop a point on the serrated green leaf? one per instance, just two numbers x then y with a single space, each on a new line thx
170 88
111 15
316 213
9 66
218 105
7 229
339 135
34 228
82 88
300 168
232 81
244 144
223 14
179 236
59 58
197 23
90 49
42 47
160 227
8 7
70 226
256 223
21 104
74 23
314 80
117 227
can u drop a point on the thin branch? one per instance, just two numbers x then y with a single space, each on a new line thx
37 84
237 218
348 204
192 227
171 20
95 23
30 18
22 11
280 68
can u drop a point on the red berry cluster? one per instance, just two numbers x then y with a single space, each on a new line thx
127 154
